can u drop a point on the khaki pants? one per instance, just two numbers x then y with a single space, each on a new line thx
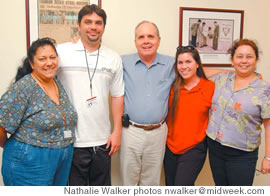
141 155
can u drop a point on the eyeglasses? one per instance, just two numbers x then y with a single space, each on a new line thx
189 47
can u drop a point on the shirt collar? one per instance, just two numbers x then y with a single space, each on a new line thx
254 83
195 88
157 60
79 47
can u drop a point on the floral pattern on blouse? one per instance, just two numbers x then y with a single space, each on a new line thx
236 116
31 117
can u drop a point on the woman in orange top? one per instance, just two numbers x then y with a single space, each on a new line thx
189 104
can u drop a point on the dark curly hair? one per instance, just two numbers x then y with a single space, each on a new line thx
26 68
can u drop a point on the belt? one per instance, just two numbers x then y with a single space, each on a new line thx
147 127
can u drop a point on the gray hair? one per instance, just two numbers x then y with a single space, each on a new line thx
145 21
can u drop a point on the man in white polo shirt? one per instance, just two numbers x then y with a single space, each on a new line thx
90 72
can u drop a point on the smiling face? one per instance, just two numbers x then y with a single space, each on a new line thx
45 63
147 40
187 66
244 60
91 28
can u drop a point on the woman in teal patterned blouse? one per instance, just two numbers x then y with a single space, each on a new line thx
240 105
40 119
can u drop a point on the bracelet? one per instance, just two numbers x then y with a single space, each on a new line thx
267 158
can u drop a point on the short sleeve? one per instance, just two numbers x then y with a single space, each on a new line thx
171 70
207 91
117 86
265 111
13 104
211 87
211 90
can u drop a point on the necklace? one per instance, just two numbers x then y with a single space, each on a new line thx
57 95
45 89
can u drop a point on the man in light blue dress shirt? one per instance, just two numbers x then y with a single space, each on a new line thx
148 77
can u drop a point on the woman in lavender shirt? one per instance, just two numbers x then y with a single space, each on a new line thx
240 105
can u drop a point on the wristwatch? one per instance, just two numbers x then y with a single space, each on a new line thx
267 158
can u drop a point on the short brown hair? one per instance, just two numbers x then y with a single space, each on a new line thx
242 42
89 9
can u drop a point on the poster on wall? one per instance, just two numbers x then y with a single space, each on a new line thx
56 19
211 32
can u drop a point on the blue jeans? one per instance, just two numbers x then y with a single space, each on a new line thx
27 165
230 166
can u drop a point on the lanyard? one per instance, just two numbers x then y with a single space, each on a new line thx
91 77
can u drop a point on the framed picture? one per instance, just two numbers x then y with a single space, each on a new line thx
211 31
56 19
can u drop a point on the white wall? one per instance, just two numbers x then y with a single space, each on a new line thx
13 43
123 15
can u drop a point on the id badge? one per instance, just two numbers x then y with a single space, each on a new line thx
67 134
91 102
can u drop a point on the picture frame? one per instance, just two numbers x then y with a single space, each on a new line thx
211 32
56 19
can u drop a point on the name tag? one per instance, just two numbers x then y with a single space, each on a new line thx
67 134
91 102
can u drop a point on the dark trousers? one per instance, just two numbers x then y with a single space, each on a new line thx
90 167
183 169
231 167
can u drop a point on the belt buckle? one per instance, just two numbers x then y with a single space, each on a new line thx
149 128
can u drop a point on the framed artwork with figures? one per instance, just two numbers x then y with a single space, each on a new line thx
211 31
